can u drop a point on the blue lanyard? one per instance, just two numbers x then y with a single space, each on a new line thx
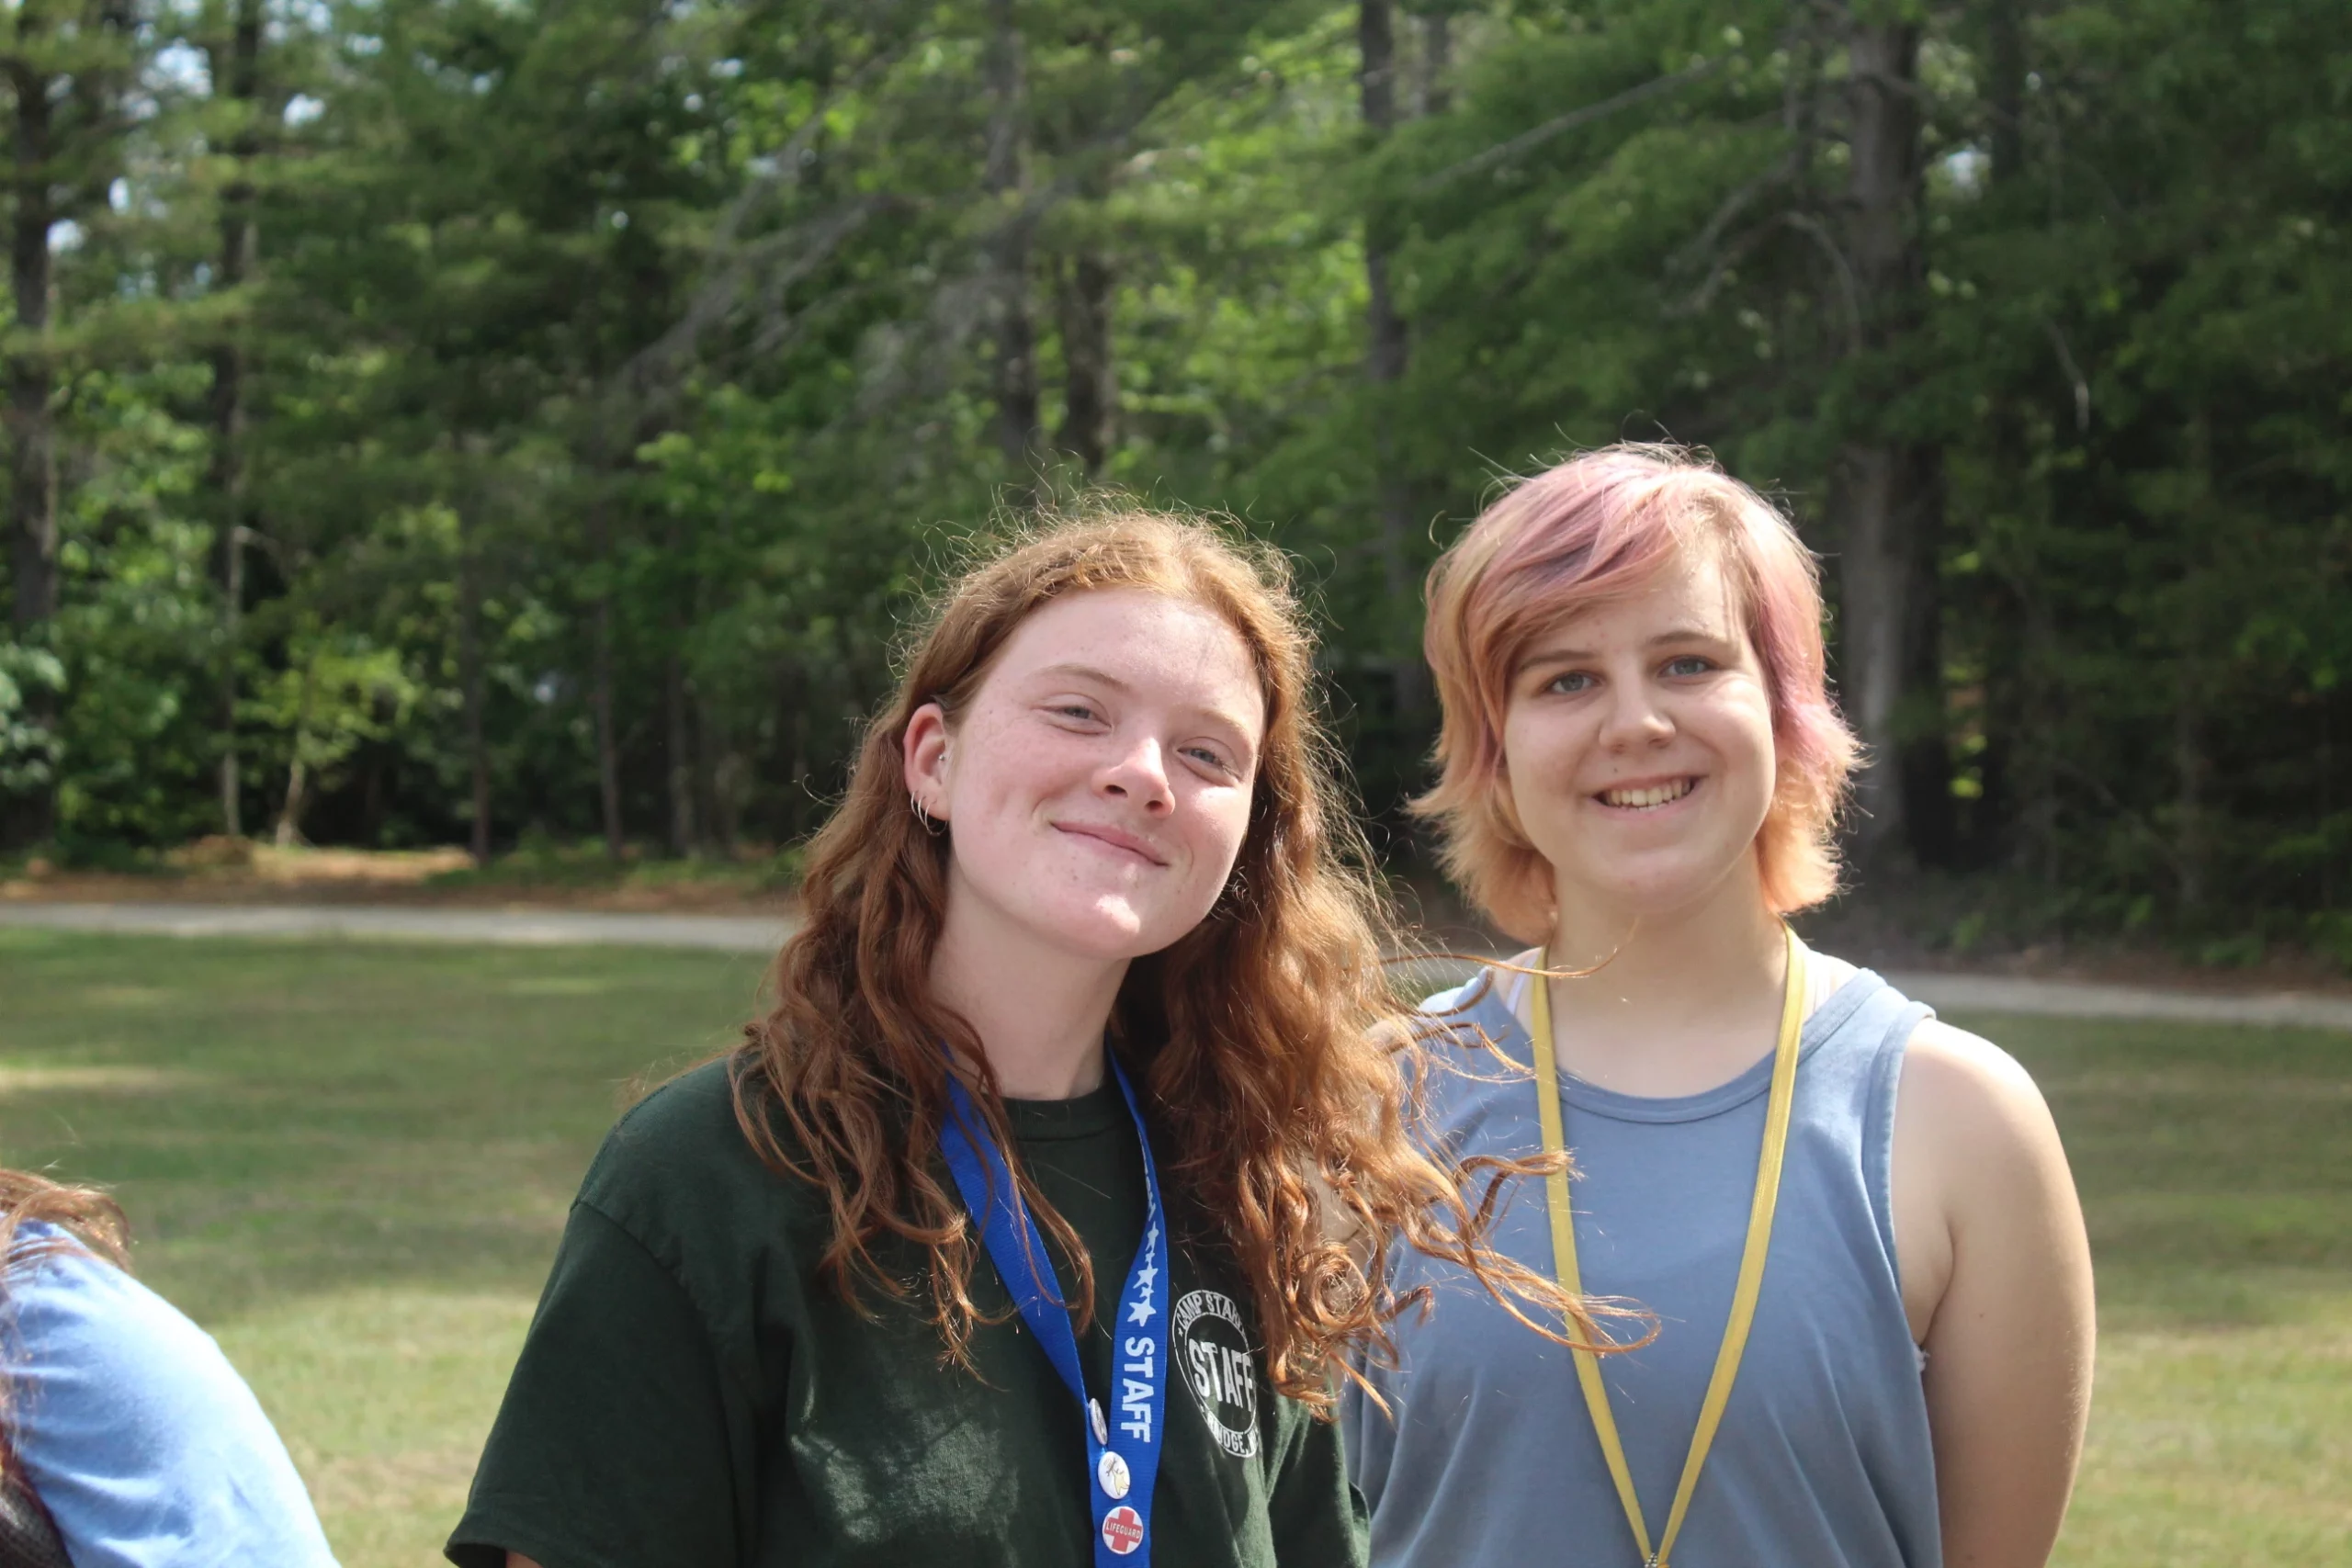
1123 1447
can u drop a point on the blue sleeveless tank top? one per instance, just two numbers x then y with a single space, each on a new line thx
1487 1454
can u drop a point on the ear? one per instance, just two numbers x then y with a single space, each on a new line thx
924 747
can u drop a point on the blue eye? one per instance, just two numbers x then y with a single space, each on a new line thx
1689 664
1573 681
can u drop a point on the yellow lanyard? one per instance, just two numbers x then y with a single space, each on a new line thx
1751 1260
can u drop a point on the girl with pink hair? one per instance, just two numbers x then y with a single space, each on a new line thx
1852 1224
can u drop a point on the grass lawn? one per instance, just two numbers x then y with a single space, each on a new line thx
351 1163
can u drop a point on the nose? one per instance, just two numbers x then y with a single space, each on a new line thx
1139 773
1634 718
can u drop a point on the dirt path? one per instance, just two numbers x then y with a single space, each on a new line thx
760 933
366 922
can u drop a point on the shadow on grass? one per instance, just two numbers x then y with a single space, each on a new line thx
285 1119
353 1162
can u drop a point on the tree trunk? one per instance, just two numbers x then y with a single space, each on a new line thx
1923 729
470 675
679 745
793 680
297 772
2039 784
721 771
232 612
2005 29
1872 579
1887 498
32 458
237 72
372 796
2192 696
289 816
2024 638
1386 354
1007 179
1433 66
1084 287
2192 768
608 746
600 674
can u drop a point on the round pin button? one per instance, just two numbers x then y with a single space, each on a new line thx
1094 1415
1123 1529
1112 1472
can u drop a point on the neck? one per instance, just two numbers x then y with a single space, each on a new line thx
1680 981
1039 1012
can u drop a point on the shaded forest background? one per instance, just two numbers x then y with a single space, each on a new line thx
527 422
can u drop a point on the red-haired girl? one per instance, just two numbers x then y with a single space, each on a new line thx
1017 1232
1853 1223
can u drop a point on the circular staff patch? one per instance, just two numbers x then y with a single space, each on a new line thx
1123 1529
1113 1475
1211 1352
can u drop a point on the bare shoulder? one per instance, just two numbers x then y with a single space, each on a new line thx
1950 1063
1970 1100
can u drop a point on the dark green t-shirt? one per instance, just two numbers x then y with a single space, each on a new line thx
693 1392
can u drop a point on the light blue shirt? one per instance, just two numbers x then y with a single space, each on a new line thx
139 1438
1487 1453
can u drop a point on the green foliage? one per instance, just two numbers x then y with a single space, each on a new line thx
137 628
335 691
617 376
28 747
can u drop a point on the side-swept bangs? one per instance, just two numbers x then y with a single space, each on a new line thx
1587 531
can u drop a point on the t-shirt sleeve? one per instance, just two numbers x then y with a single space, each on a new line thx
612 1449
1319 1519
1368 1434
138 1436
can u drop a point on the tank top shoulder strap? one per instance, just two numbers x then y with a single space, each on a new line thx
1852 1067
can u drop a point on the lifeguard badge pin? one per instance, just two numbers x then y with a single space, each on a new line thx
1123 1529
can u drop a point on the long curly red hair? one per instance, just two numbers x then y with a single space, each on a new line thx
1275 1061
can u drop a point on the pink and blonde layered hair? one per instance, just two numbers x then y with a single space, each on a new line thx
1594 528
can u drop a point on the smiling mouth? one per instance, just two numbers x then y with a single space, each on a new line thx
1649 797
1119 842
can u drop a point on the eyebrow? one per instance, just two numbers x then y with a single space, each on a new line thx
1674 635
1087 672
1104 677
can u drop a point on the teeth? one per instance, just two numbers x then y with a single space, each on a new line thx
1656 795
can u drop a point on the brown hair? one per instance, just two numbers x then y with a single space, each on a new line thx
1266 1044
92 1221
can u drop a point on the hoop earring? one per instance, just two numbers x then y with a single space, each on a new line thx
930 824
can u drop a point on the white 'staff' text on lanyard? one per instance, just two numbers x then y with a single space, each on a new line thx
1122 1448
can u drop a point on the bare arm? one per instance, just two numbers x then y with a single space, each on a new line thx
1997 1272
517 1560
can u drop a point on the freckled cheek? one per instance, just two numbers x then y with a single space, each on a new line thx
1216 835
1010 771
